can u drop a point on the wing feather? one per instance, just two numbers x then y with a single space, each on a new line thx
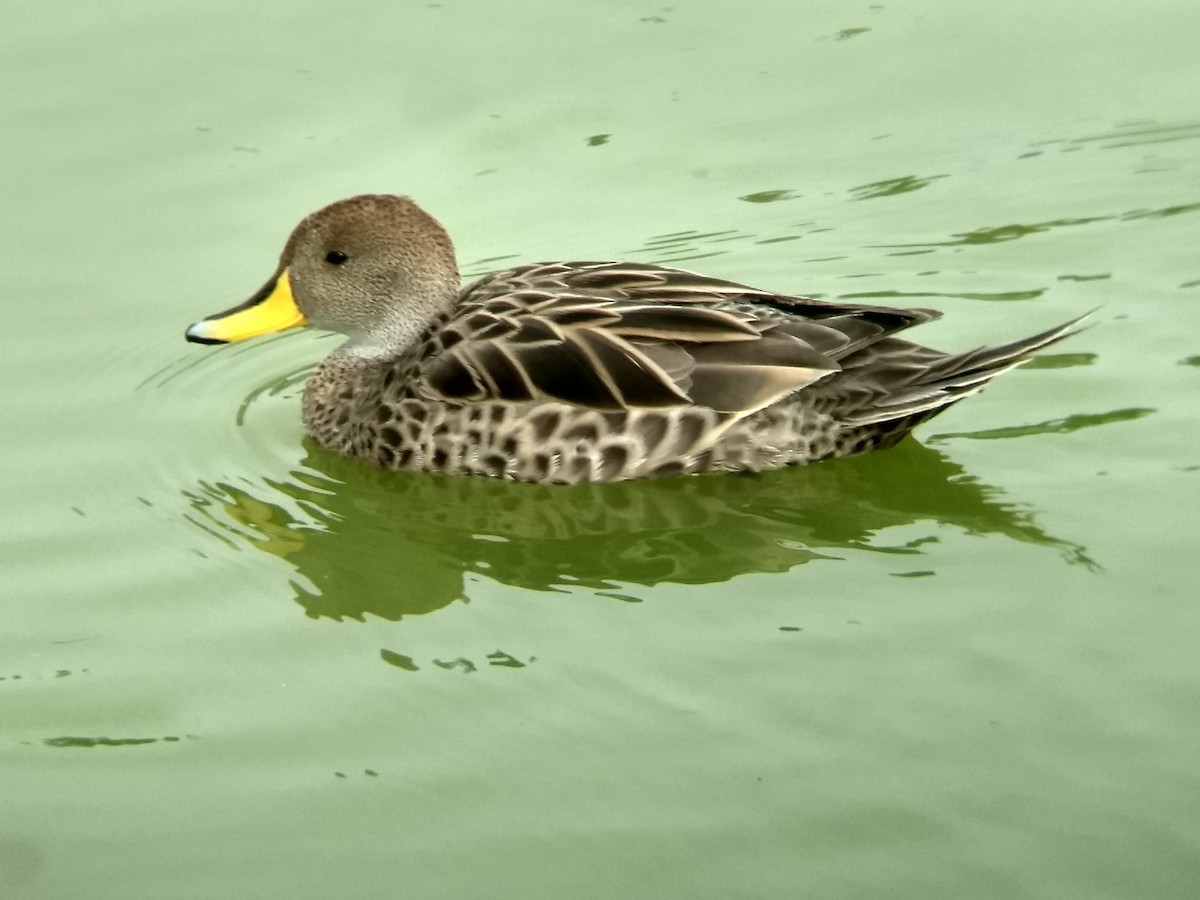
615 336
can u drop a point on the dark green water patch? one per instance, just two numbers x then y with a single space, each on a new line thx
90 742
1064 425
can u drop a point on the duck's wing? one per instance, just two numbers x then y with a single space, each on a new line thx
620 336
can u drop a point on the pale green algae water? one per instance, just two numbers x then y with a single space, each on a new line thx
235 666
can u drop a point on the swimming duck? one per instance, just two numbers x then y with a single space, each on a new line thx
586 371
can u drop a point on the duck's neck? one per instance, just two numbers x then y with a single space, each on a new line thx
404 327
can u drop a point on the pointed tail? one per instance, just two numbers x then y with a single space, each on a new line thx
957 376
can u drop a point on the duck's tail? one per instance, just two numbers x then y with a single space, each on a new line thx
946 379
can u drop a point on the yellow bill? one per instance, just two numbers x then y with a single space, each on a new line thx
271 309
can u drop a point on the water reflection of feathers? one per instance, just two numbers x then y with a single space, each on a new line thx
368 541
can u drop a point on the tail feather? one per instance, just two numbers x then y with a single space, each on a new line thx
958 376
990 361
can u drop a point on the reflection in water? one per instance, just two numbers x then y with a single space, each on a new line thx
1129 134
846 33
397 544
771 196
1059 361
890 187
89 742
959 295
679 247
1053 426
999 234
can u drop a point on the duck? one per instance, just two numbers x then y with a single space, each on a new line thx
569 372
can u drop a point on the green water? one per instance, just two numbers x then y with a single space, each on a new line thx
234 666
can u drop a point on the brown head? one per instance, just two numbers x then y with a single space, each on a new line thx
375 267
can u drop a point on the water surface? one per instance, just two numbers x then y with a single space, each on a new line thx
236 666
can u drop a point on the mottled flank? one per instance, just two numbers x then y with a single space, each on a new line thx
596 371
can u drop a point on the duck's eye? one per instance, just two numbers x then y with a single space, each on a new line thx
335 257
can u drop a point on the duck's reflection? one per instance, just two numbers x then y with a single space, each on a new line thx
368 541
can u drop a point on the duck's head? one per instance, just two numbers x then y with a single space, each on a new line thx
375 267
